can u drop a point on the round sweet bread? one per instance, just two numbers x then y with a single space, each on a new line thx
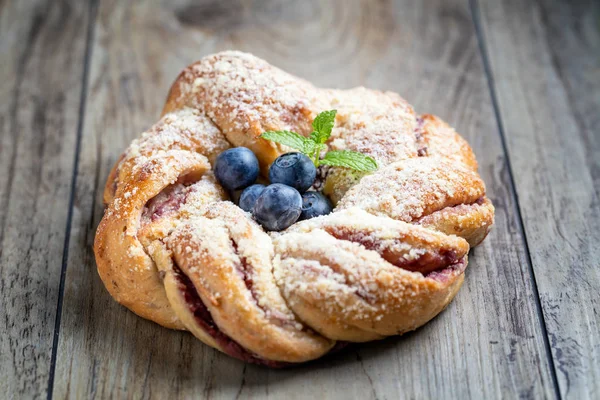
391 256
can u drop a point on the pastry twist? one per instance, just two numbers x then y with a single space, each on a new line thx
391 256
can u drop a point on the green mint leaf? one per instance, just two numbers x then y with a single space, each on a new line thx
322 125
291 139
309 147
350 159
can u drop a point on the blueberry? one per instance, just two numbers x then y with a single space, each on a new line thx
249 196
293 169
236 168
277 207
315 204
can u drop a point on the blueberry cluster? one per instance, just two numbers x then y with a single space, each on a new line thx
285 200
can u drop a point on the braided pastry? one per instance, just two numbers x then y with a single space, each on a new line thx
391 256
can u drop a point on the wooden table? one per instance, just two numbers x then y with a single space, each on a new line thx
520 79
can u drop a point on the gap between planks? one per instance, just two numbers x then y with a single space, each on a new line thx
92 14
476 15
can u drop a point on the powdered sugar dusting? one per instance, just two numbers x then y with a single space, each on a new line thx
378 124
228 257
185 129
397 242
409 189
245 95
347 282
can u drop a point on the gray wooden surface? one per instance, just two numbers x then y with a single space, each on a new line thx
519 79
544 58
42 47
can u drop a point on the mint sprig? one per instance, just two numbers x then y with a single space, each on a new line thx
291 139
350 159
313 145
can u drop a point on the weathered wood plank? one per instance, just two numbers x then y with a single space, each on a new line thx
487 344
42 47
545 63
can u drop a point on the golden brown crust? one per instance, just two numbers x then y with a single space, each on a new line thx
389 258
162 215
176 296
469 221
127 271
379 124
437 139
228 257
185 129
433 192
410 189
246 96
347 292
327 267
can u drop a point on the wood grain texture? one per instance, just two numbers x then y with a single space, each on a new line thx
488 344
42 46
545 62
